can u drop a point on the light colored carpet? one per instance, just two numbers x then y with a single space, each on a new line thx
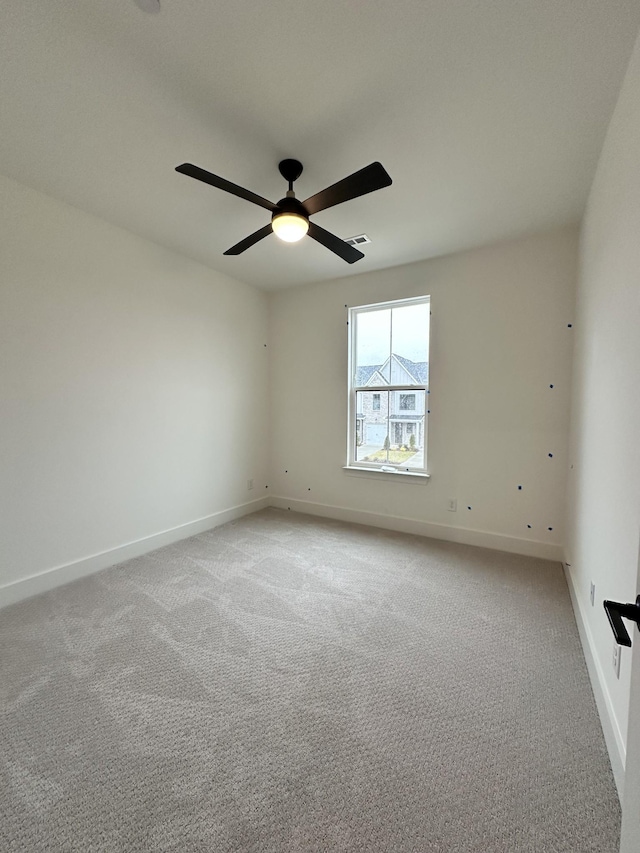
284 683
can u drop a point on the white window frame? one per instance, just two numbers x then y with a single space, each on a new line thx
352 462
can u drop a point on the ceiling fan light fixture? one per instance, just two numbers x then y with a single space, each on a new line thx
290 217
290 227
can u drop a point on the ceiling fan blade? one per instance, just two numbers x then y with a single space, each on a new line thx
344 250
208 178
249 241
372 177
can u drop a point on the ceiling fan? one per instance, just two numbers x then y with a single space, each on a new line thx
290 217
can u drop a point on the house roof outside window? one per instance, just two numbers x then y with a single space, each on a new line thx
373 374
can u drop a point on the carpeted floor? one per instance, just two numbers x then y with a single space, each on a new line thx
284 683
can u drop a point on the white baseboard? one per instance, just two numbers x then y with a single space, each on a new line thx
58 575
610 728
464 535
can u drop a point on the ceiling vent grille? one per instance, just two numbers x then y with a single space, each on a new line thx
360 240
151 6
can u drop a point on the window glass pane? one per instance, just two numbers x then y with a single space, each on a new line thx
410 345
390 435
373 347
372 409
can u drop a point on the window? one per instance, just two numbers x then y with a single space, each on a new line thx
388 385
408 402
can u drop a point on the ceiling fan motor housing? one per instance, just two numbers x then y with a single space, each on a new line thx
290 205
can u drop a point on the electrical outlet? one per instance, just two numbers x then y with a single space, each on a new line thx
592 594
617 654
249 485
452 504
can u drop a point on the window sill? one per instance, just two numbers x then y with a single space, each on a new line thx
408 476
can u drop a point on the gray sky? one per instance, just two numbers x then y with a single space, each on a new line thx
407 334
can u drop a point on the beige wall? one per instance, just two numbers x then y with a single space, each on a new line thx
499 339
133 389
604 484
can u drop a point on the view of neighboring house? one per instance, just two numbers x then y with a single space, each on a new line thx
396 413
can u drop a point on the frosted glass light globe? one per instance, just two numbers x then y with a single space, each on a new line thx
290 227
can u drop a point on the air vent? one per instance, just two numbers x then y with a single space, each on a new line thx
360 240
151 6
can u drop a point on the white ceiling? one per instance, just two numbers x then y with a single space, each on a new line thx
489 115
